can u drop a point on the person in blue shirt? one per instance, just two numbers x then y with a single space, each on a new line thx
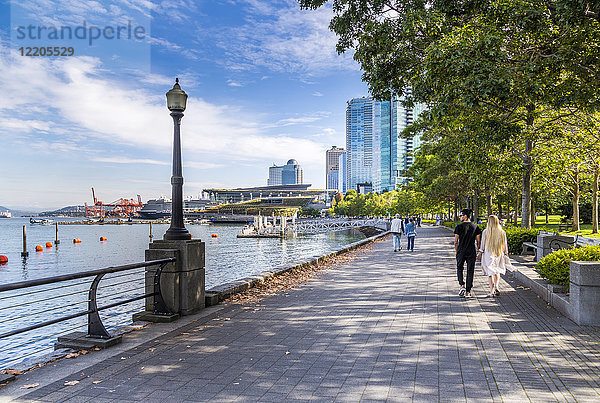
410 231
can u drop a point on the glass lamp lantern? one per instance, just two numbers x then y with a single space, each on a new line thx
176 98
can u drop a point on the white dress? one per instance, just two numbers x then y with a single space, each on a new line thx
494 264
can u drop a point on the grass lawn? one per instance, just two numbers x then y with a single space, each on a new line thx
554 220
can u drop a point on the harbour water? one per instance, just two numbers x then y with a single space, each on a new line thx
227 258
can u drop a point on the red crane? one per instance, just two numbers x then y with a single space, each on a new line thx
119 208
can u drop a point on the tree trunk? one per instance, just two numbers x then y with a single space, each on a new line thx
488 201
476 206
532 212
500 215
595 200
516 218
576 202
526 196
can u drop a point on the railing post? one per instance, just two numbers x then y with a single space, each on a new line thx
160 308
96 328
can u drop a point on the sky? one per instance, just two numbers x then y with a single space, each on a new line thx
264 81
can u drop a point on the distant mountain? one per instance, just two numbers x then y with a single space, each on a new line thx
2 208
68 211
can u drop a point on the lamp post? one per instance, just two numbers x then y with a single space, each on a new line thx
176 100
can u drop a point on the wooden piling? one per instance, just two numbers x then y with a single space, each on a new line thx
56 240
24 253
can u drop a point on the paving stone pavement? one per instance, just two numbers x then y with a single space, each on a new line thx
384 327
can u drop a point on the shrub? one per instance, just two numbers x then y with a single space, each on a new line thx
555 266
516 236
428 221
450 224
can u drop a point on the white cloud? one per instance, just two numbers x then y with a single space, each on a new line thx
317 94
72 92
232 83
201 165
284 39
126 160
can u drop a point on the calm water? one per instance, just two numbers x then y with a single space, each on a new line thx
227 258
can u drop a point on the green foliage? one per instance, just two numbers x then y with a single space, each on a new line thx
309 212
555 266
404 202
517 235
450 224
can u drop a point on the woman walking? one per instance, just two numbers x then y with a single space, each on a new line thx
494 253
410 230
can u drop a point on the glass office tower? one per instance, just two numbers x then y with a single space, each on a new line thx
363 133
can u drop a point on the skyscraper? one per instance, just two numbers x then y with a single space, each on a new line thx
395 152
389 155
332 168
289 174
363 132
342 184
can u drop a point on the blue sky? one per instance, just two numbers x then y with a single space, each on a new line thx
264 82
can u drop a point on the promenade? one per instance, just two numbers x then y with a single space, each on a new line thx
383 327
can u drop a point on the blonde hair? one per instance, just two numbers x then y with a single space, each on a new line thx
495 236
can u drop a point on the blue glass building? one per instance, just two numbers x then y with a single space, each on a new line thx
363 132
376 155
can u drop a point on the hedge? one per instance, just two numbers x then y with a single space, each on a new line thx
555 266
516 236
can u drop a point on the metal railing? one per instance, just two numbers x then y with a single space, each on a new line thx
558 243
95 326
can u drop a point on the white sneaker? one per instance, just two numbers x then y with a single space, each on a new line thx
462 291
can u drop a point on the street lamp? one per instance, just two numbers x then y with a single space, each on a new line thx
176 99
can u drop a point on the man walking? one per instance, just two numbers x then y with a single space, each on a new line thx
466 234
397 229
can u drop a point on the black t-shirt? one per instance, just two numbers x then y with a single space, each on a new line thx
467 233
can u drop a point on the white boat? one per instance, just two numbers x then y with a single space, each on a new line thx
41 221
5 214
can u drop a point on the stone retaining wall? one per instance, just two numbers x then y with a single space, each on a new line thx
223 291
582 305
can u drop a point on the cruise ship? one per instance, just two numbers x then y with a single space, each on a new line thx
5 214
161 208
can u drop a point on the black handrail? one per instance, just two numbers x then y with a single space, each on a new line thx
555 244
82 274
96 328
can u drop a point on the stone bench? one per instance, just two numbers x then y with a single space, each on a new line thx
529 248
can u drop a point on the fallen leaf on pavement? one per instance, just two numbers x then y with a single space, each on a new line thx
96 382
30 386
71 383
13 372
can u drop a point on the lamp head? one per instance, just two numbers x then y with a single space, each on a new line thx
176 98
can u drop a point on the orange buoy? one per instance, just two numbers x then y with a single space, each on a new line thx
191 235
48 244
39 248
3 259
103 238
77 240
214 235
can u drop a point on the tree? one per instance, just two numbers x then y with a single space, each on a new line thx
506 61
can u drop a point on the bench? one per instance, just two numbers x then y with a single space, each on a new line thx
529 247
567 225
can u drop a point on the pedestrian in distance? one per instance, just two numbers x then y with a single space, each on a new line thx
411 231
494 254
466 235
397 229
